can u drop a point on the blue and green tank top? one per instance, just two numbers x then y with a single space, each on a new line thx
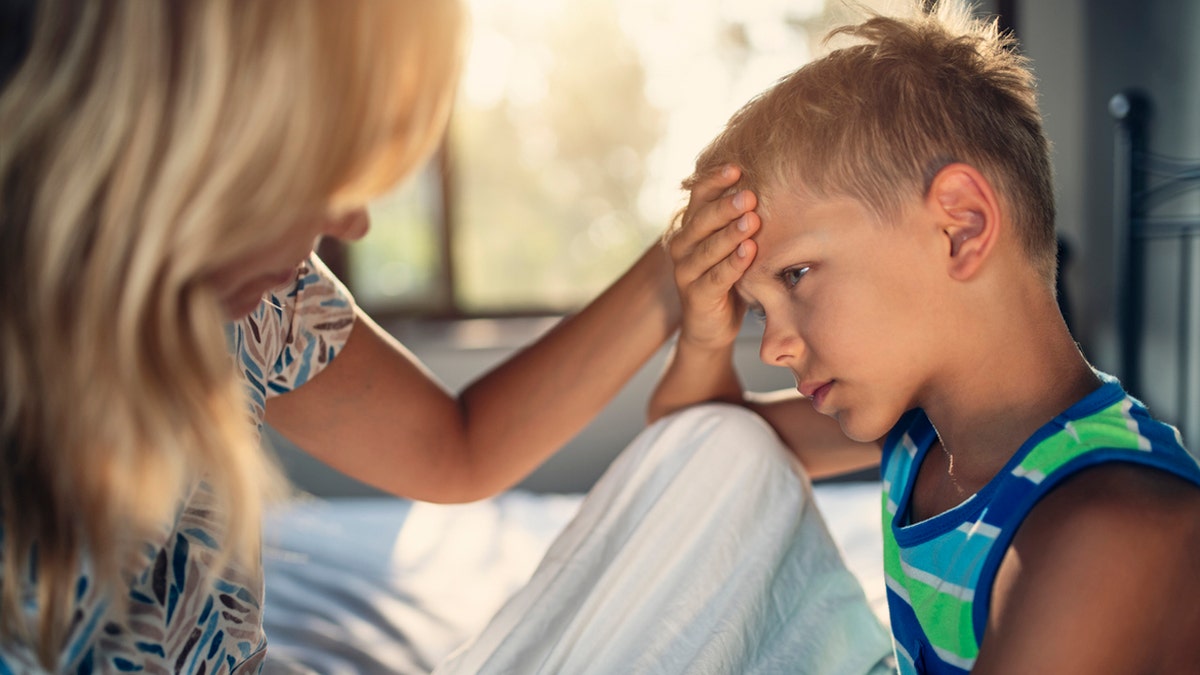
940 571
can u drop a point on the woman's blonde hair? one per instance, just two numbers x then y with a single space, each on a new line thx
145 145
877 119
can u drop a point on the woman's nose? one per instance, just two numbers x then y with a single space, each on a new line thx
349 226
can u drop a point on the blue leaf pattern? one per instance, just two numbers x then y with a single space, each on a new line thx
176 622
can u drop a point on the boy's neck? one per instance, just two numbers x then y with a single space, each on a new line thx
1027 372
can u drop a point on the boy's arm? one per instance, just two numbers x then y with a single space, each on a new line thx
711 250
1102 577
817 440
696 376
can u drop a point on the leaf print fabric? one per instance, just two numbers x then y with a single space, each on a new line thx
176 623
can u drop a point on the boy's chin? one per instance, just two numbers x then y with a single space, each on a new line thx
863 428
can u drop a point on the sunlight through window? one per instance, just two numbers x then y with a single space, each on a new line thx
575 122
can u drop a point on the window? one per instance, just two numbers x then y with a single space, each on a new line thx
574 124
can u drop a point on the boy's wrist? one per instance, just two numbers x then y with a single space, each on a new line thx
707 368
707 350
695 374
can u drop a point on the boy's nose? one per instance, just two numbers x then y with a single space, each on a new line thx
779 346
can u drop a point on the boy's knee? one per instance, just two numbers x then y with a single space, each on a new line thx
725 418
723 435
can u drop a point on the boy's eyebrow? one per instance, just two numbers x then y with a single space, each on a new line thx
760 268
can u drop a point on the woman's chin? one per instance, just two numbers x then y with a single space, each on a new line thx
247 297
237 309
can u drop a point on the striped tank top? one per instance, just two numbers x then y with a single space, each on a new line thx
940 571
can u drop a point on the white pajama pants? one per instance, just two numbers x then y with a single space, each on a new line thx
699 551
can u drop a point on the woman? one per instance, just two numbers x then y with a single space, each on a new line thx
165 170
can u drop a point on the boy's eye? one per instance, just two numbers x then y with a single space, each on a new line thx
756 311
792 275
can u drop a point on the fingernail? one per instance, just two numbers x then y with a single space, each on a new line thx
742 225
739 200
741 250
727 172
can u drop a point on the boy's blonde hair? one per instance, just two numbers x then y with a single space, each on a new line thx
875 121
147 144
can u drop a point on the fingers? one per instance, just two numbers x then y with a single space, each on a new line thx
709 191
712 203
728 249
713 288
705 217
711 251
713 186
712 311
722 276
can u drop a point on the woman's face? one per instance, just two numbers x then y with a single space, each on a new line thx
241 284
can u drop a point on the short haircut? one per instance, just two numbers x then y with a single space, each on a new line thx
877 120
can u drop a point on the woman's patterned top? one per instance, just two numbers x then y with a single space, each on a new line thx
176 622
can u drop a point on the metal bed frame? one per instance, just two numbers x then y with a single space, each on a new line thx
1145 183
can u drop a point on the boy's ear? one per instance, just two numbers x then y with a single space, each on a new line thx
968 215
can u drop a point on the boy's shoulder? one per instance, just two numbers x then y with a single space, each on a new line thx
1124 473
1106 563
1108 425
1115 500
1106 559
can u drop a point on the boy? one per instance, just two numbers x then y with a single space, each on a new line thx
893 225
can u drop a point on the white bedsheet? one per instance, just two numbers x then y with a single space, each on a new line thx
390 586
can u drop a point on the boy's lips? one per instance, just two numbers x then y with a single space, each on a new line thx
816 391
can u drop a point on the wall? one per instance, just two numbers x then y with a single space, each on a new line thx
1084 53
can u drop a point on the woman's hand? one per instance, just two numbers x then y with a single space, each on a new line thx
710 251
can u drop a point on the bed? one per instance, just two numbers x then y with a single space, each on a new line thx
383 585
360 582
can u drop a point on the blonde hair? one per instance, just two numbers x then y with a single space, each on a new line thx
147 144
876 121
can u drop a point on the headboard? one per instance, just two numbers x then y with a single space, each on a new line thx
1154 198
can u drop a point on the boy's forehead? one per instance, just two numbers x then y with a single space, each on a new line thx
796 229
787 218
781 241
